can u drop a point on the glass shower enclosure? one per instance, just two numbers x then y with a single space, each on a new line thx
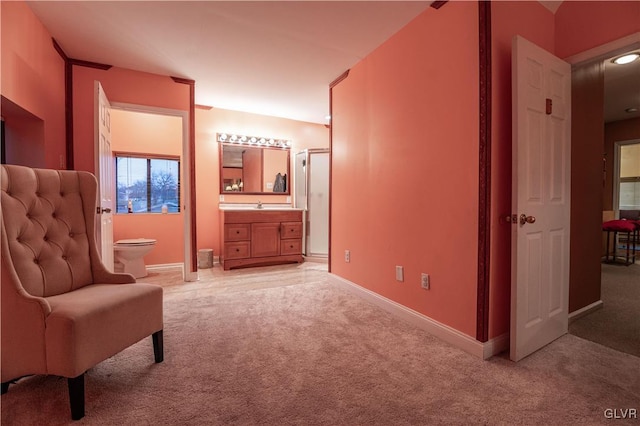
312 196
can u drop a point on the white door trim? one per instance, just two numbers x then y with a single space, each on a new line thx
605 51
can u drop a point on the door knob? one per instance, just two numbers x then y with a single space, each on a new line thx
101 210
526 219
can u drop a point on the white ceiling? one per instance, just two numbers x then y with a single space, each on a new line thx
266 57
271 58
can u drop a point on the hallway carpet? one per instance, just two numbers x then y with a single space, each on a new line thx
300 351
617 324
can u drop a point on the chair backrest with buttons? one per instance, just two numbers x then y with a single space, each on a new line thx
46 218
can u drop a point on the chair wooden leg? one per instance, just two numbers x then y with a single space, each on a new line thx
5 387
158 347
76 396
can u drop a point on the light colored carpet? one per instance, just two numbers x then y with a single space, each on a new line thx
617 323
309 353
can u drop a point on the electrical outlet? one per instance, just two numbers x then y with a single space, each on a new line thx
399 273
221 198
347 256
425 281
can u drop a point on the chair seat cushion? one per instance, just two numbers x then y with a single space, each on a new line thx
93 323
619 225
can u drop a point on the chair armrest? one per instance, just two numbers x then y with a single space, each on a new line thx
102 276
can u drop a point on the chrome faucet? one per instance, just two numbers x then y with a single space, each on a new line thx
259 206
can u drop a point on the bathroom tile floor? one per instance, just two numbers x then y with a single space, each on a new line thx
216 280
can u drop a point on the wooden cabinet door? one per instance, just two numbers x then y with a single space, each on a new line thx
265 239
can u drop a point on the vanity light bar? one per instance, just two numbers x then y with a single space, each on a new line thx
252 140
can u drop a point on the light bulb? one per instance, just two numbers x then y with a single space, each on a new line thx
626 59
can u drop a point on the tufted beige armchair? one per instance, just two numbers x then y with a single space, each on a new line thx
62 311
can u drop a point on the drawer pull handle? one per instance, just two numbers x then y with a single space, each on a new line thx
290 246
237 232
237 249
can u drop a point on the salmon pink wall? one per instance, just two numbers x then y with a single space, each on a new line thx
122 86
142 133
24 136
33 78
211 121
582 25
405 166
535 23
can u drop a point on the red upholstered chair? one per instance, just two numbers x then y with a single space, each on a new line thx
62 311
630 229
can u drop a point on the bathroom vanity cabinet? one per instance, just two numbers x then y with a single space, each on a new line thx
260 237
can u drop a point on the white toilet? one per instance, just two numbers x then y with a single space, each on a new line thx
129 255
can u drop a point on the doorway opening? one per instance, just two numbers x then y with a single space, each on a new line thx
175 234
611 320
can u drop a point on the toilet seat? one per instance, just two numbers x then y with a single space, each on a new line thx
136 242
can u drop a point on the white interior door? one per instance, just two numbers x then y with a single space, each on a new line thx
105 174
541 179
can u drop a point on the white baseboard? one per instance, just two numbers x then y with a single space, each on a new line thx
160 266
496 345
441 331
585 311
316 259
189 276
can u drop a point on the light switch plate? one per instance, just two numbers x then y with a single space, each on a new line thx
400 273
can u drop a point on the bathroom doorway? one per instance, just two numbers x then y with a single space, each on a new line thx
175 226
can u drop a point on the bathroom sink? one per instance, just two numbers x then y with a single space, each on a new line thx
244 207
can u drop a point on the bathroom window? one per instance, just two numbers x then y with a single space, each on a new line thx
147 184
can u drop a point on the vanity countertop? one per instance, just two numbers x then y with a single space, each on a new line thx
254 207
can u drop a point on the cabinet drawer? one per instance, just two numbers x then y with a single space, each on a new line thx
238 250
291 247
291 230
237 231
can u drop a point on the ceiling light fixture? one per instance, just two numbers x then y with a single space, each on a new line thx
630 110
626 59
253 140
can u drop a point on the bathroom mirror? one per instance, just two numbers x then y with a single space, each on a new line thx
254 170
